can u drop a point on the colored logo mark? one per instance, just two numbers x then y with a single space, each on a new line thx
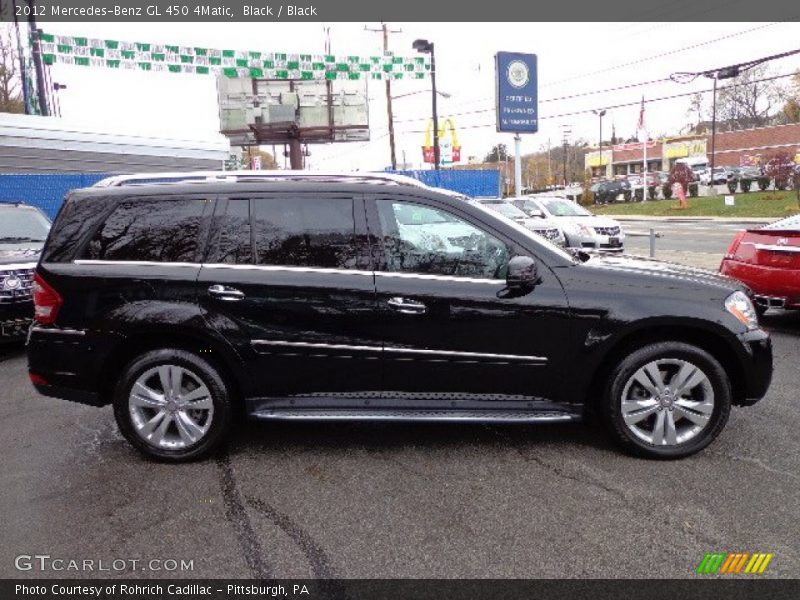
734 562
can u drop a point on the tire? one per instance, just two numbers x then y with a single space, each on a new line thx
696 422
190 433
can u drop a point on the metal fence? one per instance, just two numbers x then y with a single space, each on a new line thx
476 182
44 191
47 191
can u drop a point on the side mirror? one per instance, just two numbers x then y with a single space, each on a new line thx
535 212
521 274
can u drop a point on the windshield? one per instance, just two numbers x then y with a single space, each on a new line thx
19 224
506 209
565 208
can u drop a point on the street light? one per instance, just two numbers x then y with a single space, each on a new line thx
600 113
426 47
715 74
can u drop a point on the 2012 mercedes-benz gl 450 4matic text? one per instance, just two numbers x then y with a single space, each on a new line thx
179 299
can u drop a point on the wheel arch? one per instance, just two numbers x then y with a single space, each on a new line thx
217 353
709 339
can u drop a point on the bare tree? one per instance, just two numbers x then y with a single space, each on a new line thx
10 95
747 101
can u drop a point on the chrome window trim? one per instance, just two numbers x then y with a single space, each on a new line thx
65 331
133 263
431 277
18 266
290 269
395 350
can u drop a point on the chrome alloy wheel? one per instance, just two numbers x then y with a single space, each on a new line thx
170 407
667 402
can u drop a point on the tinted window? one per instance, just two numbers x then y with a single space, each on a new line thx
164 230
421 239
305 232
231 234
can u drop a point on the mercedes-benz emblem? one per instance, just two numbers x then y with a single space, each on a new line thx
518 73
12 282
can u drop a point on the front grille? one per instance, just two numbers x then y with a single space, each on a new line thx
550 234
20 292
607 230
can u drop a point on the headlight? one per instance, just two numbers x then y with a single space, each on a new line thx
740 306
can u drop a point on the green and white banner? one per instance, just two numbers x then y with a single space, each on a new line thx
114 54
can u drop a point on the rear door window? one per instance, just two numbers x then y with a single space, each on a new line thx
306 231
152 230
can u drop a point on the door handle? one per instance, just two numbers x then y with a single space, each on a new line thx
407 307
223 292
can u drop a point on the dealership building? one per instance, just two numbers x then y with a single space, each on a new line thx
34 144
732 148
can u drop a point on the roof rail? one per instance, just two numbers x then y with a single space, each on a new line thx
245 176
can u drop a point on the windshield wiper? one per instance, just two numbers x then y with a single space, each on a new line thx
19 239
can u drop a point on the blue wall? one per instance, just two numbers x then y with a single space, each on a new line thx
44 191
47 191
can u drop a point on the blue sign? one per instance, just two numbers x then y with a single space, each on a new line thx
517 96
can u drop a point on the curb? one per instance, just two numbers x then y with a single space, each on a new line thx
744 220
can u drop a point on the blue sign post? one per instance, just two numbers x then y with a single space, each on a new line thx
517 101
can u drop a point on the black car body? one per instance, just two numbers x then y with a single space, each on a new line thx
610 191
22 233
310 299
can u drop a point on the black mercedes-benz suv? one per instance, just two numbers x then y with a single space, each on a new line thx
180 299
23 230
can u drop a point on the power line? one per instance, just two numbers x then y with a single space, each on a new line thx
669 52
559 98
622 105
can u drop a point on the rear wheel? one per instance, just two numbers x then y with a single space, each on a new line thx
667 400
172 405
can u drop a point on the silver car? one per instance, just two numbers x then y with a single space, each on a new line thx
547 228
581 228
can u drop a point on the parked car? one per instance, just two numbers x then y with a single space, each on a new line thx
767 259
721 175
581 228
292 299
23 230
611 191
546 228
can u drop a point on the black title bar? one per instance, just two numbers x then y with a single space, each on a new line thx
394 10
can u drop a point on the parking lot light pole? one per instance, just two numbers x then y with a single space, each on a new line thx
426 47
600 113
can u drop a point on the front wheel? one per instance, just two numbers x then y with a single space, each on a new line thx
667 400
172 405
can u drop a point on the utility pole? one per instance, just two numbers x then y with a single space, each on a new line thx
37 62
566 130
384 29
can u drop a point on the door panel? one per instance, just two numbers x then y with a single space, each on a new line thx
305 327
464 335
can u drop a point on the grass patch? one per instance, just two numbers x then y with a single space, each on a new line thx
753 204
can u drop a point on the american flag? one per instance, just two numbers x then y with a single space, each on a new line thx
640 124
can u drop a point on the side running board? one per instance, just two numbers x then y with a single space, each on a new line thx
382 414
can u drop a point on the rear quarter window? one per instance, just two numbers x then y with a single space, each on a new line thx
153 230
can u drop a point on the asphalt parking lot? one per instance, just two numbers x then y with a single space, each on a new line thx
391 500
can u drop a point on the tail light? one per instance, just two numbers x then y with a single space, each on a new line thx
37 379
731 253
46 300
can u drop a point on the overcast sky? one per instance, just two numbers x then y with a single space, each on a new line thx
574 58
